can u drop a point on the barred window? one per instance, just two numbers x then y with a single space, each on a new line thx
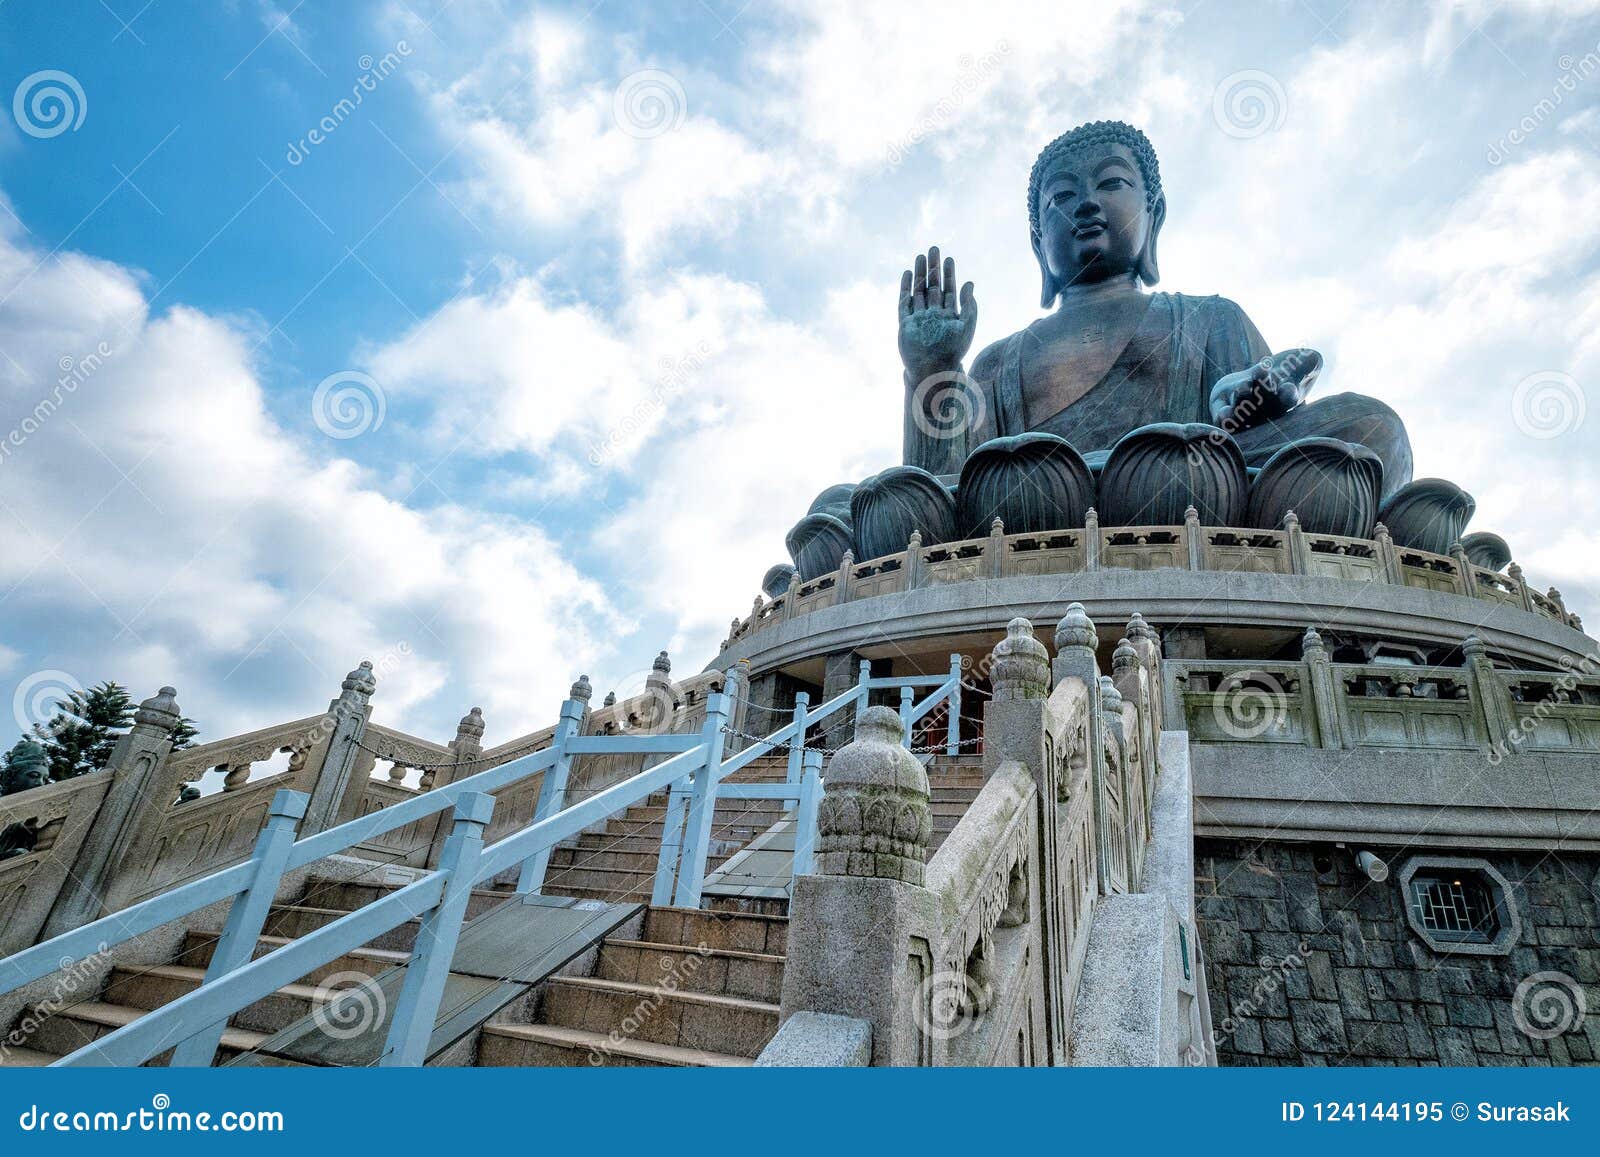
1458 907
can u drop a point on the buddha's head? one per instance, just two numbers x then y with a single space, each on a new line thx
26 767
1095 207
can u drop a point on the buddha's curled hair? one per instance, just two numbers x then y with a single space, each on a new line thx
1096 133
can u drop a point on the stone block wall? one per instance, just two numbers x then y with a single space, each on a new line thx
1322 968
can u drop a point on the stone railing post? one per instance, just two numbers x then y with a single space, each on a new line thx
914 567
465 749
1076 643
1327 700
1388 556
1299 549
1514 572
996 549
1014 727
1469 581
736 686
1091 539
791 596
841 584
1147 645
863 930
342 782
115 855
1192 538
1128 675
1489 691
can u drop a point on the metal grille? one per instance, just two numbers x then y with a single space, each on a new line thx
1455 907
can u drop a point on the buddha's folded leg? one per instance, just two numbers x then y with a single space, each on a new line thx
1348 417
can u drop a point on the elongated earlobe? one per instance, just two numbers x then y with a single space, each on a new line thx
1149 272
1048 289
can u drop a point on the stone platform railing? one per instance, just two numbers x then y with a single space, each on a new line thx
977 958
1321 704
104 841
1289 551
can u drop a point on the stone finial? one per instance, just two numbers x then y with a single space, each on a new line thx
915 541
1139 629
1291 520
874 819
1191 514
1110 697
1019 666
1380 532
1311 645
582 690
160 710
1473 648
360 683
1125 659
662 663
997 528
1076 629
610 700
470 729
755 607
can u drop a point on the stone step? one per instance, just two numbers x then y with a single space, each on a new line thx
17 1057
541 1045
349 895
726 971
563 859
660 1015
694 926
152 986
602 880
198 947
79 1024
292 921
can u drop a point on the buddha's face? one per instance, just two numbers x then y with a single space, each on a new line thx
1093 219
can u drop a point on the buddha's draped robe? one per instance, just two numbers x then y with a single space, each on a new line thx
1165 373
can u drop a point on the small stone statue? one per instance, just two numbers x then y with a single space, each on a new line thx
1112 357
25 768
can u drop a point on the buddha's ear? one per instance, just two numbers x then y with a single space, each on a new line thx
1149 273
1048 289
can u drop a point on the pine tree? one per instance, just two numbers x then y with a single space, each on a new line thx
85 729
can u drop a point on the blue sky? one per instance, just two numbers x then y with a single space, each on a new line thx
622 279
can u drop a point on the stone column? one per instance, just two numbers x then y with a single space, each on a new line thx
1323 690
736 686
1489 692
863 929
1076 643
840 671
1014 728
342 783
114 858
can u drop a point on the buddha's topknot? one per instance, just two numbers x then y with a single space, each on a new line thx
1096 133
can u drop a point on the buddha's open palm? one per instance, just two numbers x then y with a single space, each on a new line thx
935 329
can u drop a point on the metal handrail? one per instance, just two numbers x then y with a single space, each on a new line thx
194 1022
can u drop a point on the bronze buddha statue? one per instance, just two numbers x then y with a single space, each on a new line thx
1112 357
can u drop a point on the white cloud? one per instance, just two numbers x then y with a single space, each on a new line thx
189 538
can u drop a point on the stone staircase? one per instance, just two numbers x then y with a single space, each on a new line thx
683 987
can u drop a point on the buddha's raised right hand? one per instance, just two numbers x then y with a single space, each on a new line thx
935 334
